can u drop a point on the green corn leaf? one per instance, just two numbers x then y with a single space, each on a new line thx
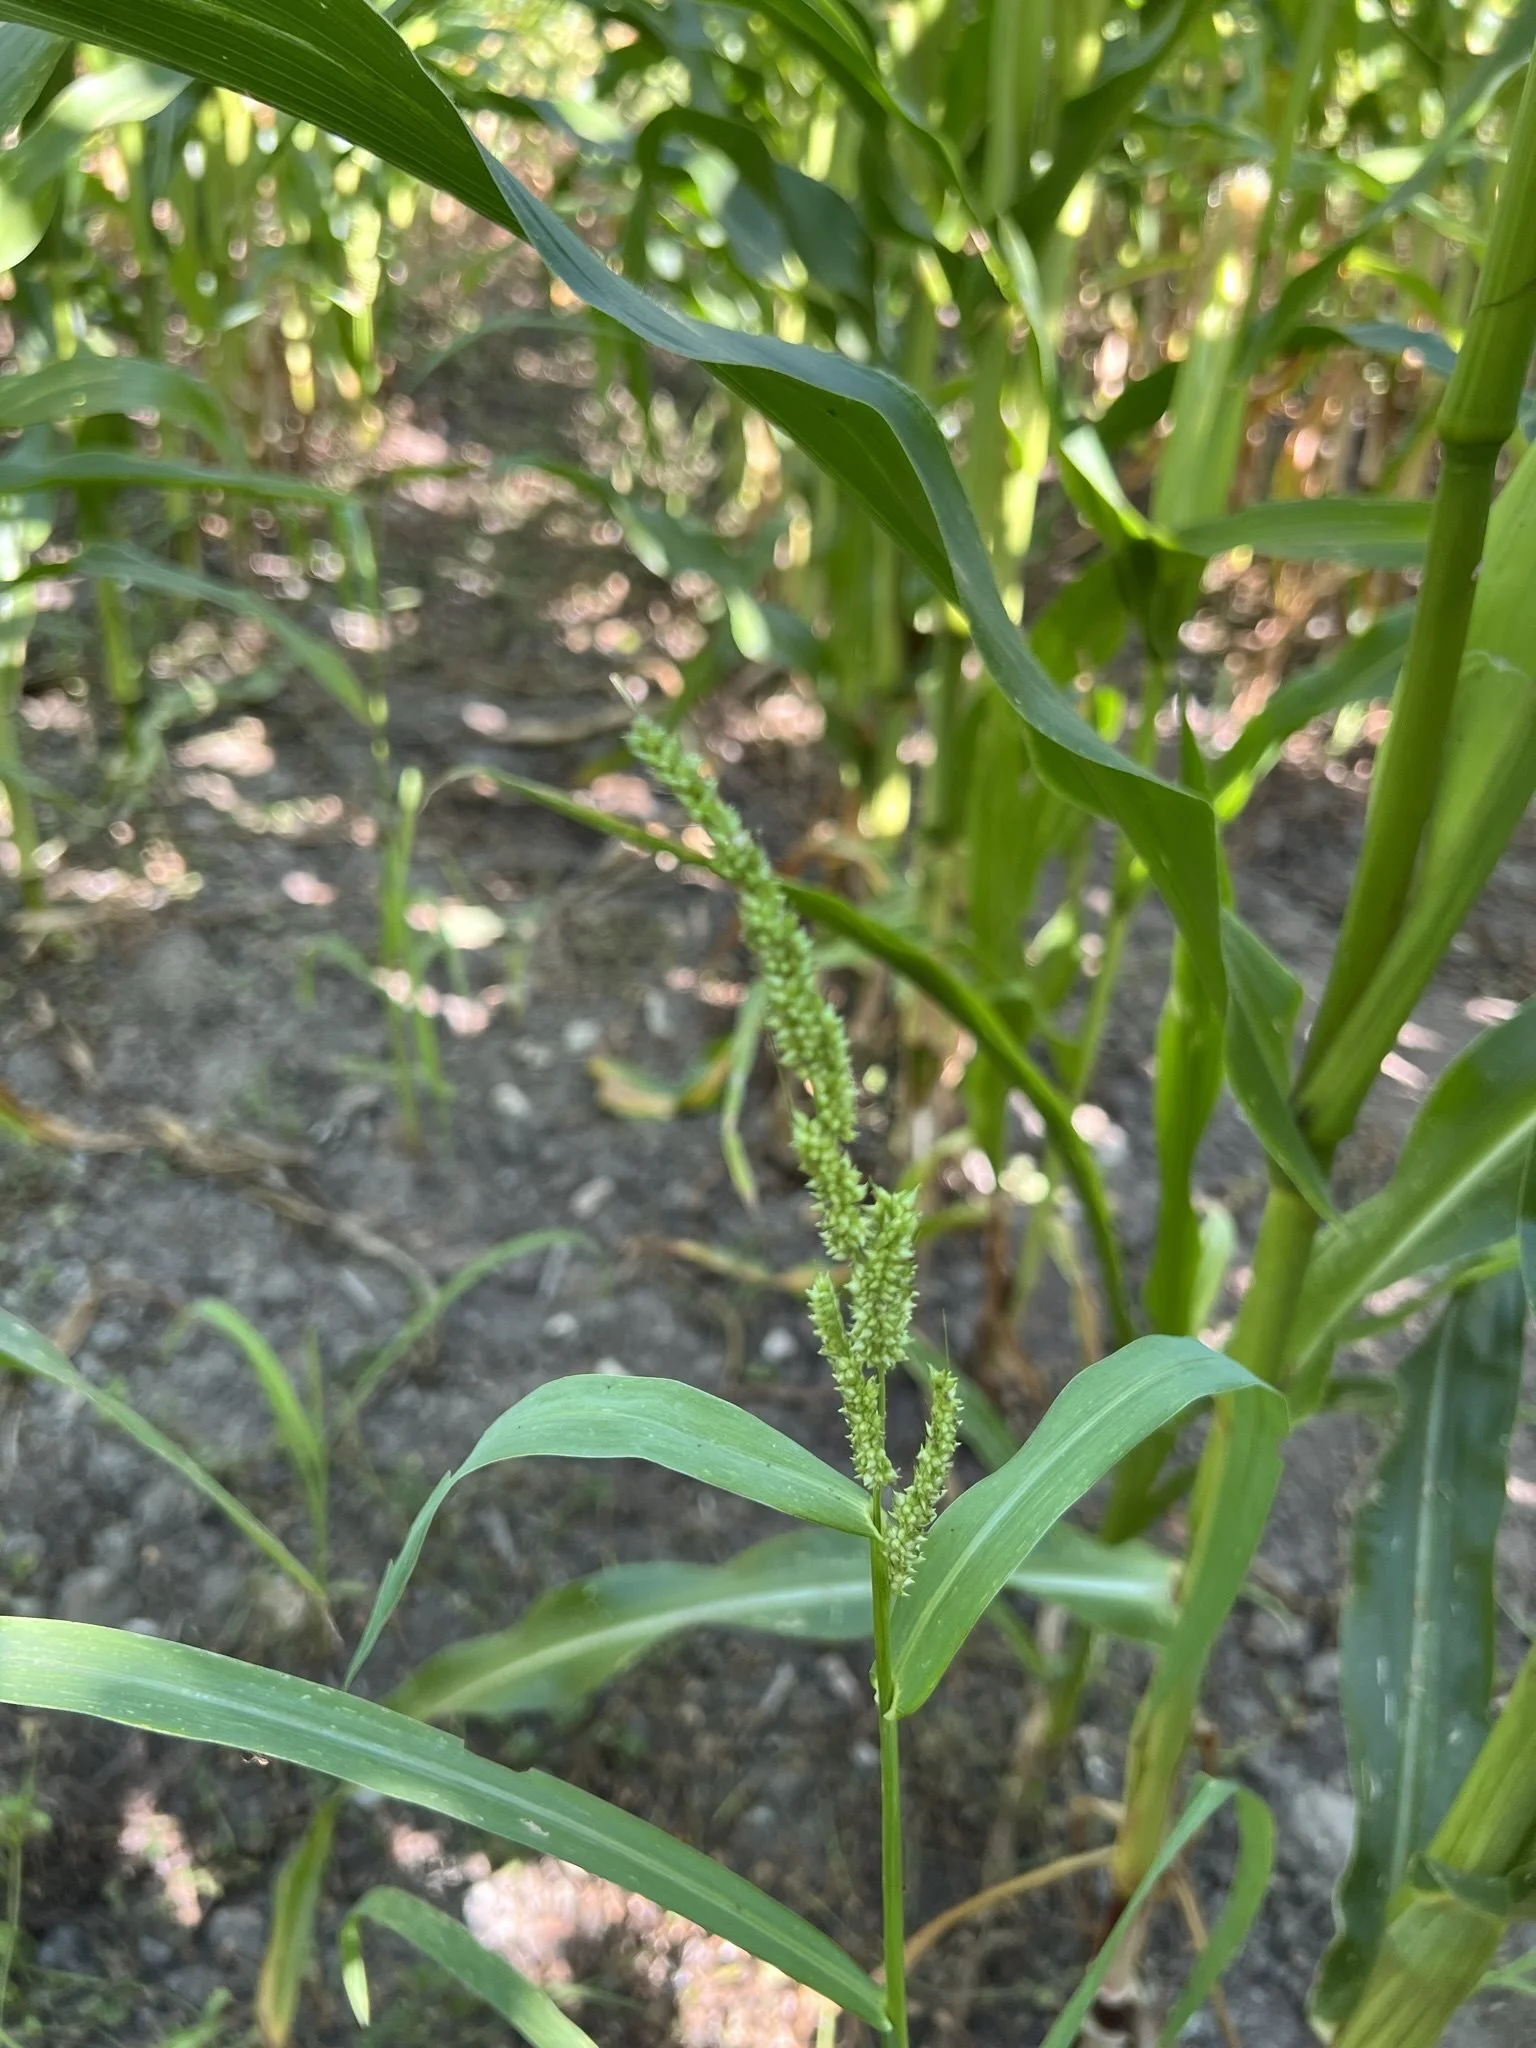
173 1689
345 68
1361 533
91 387
27 57
1264 1004
67 471
978 1544
1126 1589
1380 338
1360 672
1417 1636
112 562
295 1425
1454 1192
29 173
812 1585
661 1422
22 1348
530 2012
432 1311
291 1942
1256 1843
1525 1231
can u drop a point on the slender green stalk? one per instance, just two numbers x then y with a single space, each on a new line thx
892 1868
1477 416
13 780
1314 33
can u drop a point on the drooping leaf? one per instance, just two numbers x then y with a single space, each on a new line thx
116 562
29 172
27 57
1362 670
531 2012
660 1422
65 470
1264 1002
27 1351
979 1543
1363 533
812 1585
174 1689
345 68
1417 1635
1454 1192
89 387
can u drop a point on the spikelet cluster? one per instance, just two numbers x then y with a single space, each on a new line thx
871 1230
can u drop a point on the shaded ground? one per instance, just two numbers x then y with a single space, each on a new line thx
759 1751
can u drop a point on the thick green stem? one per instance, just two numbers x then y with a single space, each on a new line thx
892 1874
1477 417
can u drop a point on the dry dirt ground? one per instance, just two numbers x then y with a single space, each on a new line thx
145 1906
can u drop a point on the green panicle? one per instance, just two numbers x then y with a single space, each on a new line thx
873 1231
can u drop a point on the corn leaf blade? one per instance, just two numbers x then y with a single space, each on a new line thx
24 1349
978 1544
174 1689
1417 1634
660 1422
1454 1192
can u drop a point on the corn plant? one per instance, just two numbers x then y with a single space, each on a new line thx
1440 1869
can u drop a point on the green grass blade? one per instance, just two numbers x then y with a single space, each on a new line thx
1359 533
27 1351
291 1942
117 563
295 1425
1126 1589
746 1041
1245 1895
1417 1635
812 1585
1525 1230
67 471
88 387
1364 669
1454 1192
532 2013
1248 1885
661 1422
1265 1002
978 1544
173 1689
431 1312
27 57
344 67
29 173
